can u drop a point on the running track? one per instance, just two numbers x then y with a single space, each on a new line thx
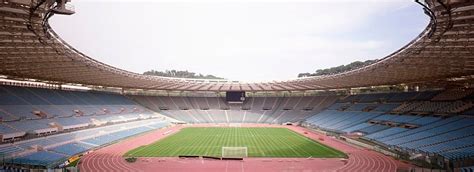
110 158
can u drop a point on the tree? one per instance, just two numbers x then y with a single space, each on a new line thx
180 74
338 69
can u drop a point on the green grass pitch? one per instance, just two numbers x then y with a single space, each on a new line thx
260 142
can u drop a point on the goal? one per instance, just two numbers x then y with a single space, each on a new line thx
235 125
234 152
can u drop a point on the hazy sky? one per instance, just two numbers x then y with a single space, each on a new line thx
239 40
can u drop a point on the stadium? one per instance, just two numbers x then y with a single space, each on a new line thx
60 109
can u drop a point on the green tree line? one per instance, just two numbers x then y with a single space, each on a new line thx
338 69
180 74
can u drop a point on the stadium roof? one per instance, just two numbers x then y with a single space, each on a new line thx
29 48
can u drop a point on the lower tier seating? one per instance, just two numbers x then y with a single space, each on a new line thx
54 149
451 137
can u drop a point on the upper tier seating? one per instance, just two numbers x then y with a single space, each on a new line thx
448 107
390 97
454 94
45 111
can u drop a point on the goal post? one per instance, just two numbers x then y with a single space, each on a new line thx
235 125
234 152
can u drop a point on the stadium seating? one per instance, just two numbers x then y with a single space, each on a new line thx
40 158
58 147
81 120
274 110
402 97
414 121
385 133
373 129
386 107
427 122
435 107
356 128
338 121
454 94
72 148
467 169
44 111
390 97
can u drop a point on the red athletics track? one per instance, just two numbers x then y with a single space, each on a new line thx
110 158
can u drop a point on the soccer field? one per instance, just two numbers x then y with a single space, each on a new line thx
260 142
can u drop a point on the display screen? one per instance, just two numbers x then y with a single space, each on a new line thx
235 96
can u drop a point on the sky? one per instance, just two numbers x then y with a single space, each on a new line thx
245 40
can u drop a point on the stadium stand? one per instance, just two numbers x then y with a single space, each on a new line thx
77 121
274 110
45 111
467 169
430 123
40 158
72 143
45 126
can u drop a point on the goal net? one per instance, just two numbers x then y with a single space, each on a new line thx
234 152
235 125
